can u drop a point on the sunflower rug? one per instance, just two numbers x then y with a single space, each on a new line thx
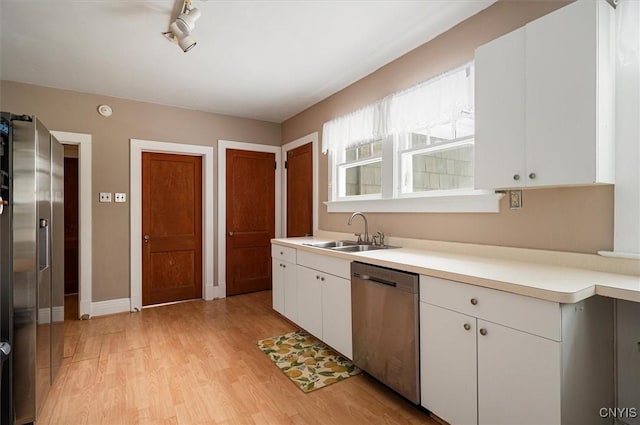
306 361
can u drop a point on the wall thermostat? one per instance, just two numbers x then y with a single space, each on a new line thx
105 110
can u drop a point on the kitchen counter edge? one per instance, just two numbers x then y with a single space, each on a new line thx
573 286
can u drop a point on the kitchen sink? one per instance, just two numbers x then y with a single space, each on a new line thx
332 244
359 248
347 246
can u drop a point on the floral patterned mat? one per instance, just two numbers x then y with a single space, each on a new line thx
306 361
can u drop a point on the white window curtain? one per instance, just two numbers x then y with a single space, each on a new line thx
441 99
362 126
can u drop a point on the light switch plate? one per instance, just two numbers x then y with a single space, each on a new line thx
121 197
105 196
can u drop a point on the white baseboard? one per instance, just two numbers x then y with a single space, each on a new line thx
57 314
220 291
102 308
47 315
209 292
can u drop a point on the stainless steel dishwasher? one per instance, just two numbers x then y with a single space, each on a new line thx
384 309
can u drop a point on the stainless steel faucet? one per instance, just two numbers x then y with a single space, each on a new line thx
366 227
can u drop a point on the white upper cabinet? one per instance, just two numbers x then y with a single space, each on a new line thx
500 115
544 101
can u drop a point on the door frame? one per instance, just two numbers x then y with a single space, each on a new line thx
313 138
138 146
85 244
223 145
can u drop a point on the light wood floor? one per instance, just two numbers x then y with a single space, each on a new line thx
197 363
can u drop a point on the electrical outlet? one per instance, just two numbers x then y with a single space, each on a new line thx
105 196
121 197
515 199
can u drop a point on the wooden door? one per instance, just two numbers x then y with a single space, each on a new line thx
71 252
171 227
250 223
300 191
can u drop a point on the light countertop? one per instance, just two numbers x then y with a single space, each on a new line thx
544 281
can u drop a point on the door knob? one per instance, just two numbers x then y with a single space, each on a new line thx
146 238
230 233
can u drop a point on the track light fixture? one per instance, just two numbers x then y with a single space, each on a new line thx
186 22
180 29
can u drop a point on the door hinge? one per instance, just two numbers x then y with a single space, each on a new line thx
275 165
285 164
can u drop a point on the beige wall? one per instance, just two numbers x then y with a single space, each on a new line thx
76 112
566 219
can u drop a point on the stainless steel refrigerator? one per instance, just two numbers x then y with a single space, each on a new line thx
36 206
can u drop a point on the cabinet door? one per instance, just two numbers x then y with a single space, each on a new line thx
518 377
277 286
336 314
561 95
500 113
290 291
448 378
310 301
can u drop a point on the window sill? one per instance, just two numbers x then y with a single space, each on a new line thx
475 201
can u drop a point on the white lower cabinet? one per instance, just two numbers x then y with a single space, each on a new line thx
324 308
538 364
471 378
285 289
310 301
448 375
277 286
284 286
314 292
518 377
324 299
336 314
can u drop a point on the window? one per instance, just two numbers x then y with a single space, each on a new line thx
440 158
361 171
417 143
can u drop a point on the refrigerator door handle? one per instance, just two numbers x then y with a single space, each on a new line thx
43 244
5 350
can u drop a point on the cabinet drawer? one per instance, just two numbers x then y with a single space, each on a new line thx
335 266
279 252
527 314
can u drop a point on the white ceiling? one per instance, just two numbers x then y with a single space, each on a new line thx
258 59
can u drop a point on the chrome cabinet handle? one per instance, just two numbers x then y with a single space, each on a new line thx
467 326
516 177
532 176
483 331
474 301
322 279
